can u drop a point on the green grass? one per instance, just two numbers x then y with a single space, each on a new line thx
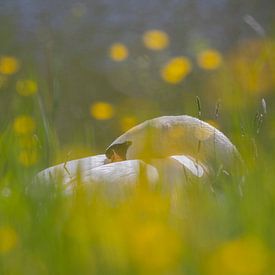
186 231
190 230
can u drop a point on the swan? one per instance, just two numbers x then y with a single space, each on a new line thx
96 169
170 149
182 135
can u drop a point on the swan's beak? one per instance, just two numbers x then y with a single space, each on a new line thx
117 152
115 157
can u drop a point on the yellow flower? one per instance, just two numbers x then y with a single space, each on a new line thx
127 122
102 110
246 256
28 157
155 39
155 247
118 52
24 125
252 66
8 65
209 59
176 70
8 239
26 87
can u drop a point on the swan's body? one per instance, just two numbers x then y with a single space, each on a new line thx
69 171
172 149
124 172
178 135
95 170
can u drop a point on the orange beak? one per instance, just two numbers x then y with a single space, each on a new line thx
115 157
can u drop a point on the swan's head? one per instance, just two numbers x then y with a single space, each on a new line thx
117 152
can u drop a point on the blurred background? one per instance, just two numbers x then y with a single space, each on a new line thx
92 69
76 74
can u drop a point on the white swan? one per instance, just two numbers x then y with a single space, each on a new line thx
96 170
176 135
172 149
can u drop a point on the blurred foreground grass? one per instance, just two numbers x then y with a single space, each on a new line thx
190 230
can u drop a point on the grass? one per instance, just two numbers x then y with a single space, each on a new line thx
185 231
190 230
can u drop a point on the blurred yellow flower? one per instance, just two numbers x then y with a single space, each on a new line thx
155 39
176 70
128 122
247 256
102 110
24 125
8 65
8 239
26 87
209 59
156 247
28 157
252 66
118 52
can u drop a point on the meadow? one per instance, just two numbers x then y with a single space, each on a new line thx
56 109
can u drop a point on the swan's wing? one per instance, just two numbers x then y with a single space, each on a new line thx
123 172
191 165
178 170
94 171
116 179
68 171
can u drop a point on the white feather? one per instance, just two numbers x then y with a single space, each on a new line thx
179 135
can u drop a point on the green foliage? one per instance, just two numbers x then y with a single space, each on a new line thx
226 228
